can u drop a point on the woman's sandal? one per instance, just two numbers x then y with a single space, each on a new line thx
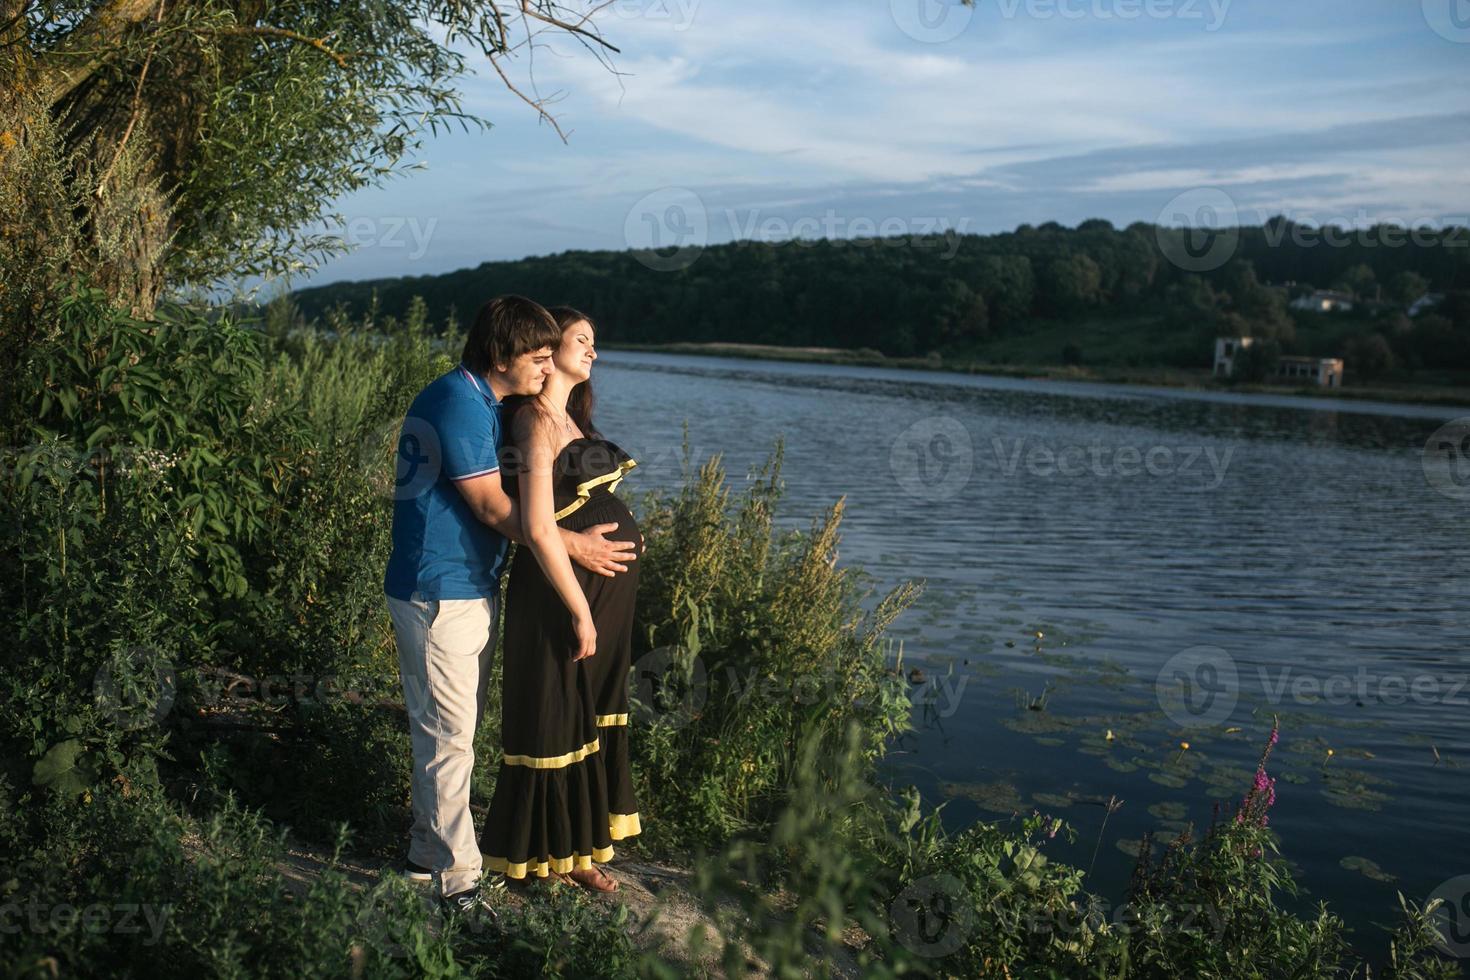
605 883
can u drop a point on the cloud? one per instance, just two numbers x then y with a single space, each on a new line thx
790 109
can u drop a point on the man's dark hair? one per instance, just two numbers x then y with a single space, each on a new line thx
505 328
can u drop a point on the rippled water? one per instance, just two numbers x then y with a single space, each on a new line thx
1279 556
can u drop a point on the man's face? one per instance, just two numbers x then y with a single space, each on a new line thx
528 373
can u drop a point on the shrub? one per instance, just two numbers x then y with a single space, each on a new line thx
751 641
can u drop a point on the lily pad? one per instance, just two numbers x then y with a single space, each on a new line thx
1035 723
1168 779
1052 799
1169 810
1355 797
997 797
1367 868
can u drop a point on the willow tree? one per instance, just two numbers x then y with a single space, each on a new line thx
151 145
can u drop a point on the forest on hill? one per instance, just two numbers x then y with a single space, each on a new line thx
1144 295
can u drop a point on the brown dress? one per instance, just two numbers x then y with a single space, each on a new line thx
565 792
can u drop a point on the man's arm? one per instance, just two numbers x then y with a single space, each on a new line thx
590 548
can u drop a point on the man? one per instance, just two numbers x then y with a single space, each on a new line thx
451 525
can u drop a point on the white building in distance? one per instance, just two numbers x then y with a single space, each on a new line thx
1325 372
1323 301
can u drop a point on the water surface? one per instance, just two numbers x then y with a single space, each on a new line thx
1279 556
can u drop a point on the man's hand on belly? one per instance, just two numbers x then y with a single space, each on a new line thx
597 553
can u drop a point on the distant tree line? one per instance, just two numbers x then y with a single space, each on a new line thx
906 297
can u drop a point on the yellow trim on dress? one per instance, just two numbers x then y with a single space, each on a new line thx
623 825
603 721
552 762
543 869
584 490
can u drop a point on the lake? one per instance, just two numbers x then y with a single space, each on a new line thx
1113 571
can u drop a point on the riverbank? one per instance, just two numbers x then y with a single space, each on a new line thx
664 910
1198 380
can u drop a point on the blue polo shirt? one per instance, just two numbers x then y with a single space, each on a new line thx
441 550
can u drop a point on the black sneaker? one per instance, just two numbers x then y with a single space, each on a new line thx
417 872
468 902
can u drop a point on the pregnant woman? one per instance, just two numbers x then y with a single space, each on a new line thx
565 792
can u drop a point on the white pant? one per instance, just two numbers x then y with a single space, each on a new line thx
444 654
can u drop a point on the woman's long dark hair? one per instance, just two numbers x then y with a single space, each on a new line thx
581 401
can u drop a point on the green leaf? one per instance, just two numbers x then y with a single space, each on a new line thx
60 769
98 434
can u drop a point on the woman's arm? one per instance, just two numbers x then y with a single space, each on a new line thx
543 536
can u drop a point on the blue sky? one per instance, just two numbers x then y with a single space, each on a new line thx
756 119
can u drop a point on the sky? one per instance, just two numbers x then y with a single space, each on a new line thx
756 119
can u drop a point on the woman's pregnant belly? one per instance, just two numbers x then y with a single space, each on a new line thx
605 508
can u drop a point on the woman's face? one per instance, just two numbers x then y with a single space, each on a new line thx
575 355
